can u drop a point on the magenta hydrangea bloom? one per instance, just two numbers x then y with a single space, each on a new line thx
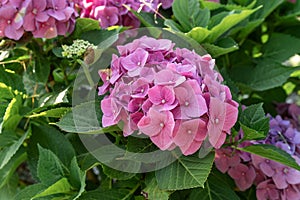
44 18
11 20
161 92
116 12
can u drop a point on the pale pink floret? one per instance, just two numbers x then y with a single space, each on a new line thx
222 117
159 126
11 22
36 12
190 135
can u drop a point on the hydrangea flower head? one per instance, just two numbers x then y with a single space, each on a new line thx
161 91
116 12
44 18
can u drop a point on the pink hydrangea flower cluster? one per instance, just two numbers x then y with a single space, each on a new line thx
174 96
272 179
43 18
116 12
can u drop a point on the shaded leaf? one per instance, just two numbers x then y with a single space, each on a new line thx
273 153
9 151
49 168
111 194
228 22
87 123
185 173
55 112
215 189
61 186
84 25
152 189
52 139
189 14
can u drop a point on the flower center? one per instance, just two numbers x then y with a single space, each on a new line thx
8 21
285 170
189 132
186 103
243 173
139 63
217 121
163 101
34 11
161 124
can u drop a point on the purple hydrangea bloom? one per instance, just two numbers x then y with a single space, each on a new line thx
273 180
267 190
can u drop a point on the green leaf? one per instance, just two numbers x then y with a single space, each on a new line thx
41 69
52 139
84 25
87 123
254 122
251 134
259 16
185 173
148 19
57 51
10 188
112 194
28 192
77 177
265 75
119 175
49 168
173 25
97 36
8 152
224 46
273 153
252 114
8 170
55 112
152 190
5 92
12 115
228 22
215 189
61 186
54 98
189 14
276 47
11 79
198 33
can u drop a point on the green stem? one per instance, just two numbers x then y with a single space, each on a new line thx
86 72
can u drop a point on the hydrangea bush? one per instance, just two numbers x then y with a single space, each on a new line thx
103 99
